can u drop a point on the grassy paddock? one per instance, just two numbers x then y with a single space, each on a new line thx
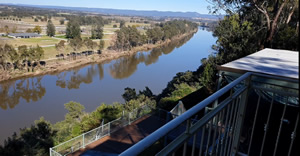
55 21
42 41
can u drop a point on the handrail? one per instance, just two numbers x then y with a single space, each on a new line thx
164 130
52 149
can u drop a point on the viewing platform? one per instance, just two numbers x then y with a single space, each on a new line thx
254 112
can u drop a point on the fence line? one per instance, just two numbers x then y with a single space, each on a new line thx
93 135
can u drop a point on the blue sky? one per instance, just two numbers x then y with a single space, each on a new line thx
199 6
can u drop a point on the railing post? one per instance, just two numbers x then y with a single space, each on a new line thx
102 127
129 114
240 117
50 151
188 125
220 78
109 128
83 144
166 137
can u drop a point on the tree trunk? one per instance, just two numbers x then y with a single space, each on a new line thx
274 24
290 15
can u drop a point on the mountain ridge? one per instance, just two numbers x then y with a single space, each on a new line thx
110 11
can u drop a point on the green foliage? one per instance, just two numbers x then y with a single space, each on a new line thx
181 90
8 54
23 51
12 146
208 75
6 29
147 92
12 53
73 29
38 138
75 110
35 140
39 53
97 32
62 21
169 29
155 34
76 43
104 113
89 43
139 101
101 44
287 37
37 29
268 18
236 38
50 29
122 24
16 57
87 20
129 94
190 78
70 127
76 130
60 46
29 30
128 37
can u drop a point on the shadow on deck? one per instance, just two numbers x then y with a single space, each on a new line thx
123 138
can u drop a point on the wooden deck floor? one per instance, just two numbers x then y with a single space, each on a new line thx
123 138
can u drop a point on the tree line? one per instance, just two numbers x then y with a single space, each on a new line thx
129 37
26 11
21 58
87 20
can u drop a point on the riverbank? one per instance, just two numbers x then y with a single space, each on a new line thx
59 65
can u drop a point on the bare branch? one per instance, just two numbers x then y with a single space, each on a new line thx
264 11
275 20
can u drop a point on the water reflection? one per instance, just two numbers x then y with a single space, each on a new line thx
126 66
30 89
72 80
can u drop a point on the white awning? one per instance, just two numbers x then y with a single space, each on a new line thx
283 63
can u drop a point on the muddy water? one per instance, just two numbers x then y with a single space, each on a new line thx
25 100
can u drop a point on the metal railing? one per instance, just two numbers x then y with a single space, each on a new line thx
230 128
93 135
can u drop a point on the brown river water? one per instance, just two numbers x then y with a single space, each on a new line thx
24 100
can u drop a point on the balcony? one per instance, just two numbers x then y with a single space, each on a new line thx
256 113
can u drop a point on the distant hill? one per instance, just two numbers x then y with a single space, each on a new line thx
129 12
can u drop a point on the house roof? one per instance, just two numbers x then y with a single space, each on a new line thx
24 34
276 62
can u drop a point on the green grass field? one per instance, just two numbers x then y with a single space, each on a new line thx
51 51
42 41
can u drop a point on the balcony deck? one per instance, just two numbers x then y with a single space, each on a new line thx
123 138
256 113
